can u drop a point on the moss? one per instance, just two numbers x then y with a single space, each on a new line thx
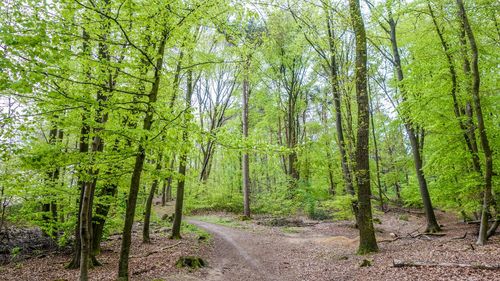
365 263
191 262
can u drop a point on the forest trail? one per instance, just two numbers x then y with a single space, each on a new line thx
240 254
249 251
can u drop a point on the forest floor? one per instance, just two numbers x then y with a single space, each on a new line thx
268 248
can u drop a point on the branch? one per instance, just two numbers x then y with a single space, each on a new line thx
401 263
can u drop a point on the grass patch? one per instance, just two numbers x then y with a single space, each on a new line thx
288 229
226 221
193 229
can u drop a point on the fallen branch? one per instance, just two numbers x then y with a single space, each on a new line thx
389 240
460 237
156 251
427 234
397 209
401 263
479 221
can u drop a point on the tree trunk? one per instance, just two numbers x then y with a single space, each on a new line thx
246 162
123 273
83 149
179 200
149 203
367 241
334 83
167 184
432 224
292 141
49 209
488 155
377 159
97 147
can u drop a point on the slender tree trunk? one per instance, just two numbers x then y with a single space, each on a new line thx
101 213
488 154
49 209
292 141
179 200
167 195
459 113
83 149
149 202
367 241
123 273
334 83
432 224
280 142
245 158
377 159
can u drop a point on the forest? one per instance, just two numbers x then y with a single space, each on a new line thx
249 140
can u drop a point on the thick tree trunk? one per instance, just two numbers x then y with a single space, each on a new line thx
99 219
432 224
488 155
245 158
89 186
367 241
123 273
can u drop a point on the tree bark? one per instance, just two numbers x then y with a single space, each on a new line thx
83 149
377 160
149 202
245 158
367 241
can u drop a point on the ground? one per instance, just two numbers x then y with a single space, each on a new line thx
266 248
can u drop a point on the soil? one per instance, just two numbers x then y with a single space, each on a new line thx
309 250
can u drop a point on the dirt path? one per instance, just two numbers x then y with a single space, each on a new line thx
239 254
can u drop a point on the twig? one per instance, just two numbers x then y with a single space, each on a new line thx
460 237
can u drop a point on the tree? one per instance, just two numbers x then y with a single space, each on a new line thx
367 241
179 199
483 137
140 157
415 134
